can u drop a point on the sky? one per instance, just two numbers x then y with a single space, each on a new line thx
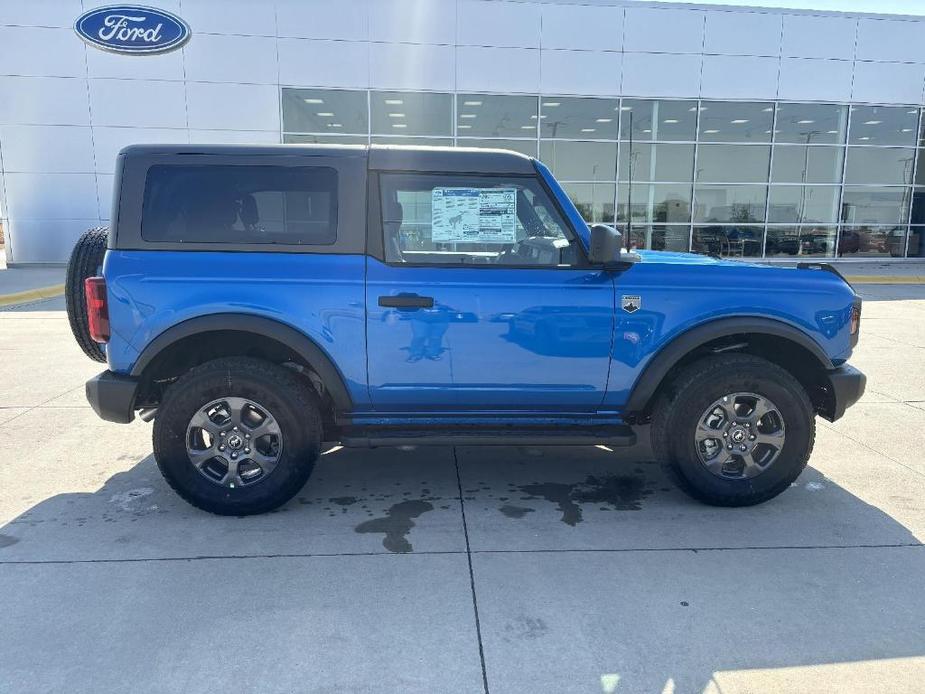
907 7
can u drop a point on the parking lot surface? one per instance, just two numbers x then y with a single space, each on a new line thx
459 569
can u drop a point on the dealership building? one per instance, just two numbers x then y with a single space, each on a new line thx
743 132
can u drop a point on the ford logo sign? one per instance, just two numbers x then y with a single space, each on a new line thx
132 29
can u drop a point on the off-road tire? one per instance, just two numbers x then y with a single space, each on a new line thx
682 402
292 403
86 261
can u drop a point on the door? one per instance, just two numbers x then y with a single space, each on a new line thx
482 300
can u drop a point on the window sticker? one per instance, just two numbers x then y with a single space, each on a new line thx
474 215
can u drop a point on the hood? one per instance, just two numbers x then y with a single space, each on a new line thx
676 258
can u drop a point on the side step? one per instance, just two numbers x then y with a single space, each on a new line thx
372 436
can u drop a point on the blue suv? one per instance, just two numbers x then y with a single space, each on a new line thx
258 301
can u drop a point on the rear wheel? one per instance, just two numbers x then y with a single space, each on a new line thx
738 429
237 436
86 261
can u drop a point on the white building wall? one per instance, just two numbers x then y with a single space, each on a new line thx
67 108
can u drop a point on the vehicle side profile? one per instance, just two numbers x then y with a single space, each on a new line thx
256 302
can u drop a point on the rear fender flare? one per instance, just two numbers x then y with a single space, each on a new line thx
295 340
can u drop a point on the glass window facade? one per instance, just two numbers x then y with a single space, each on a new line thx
734 178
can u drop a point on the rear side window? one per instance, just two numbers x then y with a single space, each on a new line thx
231 204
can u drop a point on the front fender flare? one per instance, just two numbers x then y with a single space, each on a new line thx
669 355
295 340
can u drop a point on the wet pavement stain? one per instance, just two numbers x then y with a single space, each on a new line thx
515 511
560 495
7 540
611 492
396 524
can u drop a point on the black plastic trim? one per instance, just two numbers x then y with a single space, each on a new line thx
368 437
846 385
681 345
295 340
112 396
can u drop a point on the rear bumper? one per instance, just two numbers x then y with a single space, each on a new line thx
112 396
844 388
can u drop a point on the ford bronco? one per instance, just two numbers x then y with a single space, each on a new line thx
258 301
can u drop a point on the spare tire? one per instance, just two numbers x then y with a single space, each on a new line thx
86 261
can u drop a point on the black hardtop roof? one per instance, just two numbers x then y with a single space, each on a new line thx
381 157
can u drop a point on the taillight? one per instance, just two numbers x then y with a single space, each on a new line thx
97 309
855 325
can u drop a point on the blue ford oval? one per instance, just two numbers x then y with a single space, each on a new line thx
132 29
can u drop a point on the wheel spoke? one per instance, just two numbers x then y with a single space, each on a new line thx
705 432
236 410
199 457
201 420
716 464
267 426
774 439
232 478
752 466
266 462
762 407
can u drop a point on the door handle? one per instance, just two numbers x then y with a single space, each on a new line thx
408 301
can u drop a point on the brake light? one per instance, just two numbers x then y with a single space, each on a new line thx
97 309
855 325
855 319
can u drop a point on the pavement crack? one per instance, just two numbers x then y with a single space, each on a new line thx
475 601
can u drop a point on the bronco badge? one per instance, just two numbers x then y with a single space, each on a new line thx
631 304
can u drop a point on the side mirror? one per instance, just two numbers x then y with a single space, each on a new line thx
606 243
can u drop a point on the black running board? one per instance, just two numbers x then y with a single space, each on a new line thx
369 437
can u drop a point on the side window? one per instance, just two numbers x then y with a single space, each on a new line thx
239 204
452 219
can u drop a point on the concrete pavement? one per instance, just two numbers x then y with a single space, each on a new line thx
459 569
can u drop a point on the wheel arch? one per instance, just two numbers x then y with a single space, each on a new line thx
266 330
775 340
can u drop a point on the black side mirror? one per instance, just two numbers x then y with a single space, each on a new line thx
606 243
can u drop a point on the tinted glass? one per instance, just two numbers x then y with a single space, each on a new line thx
883 125
800 240
325 139
656 202
916 242
870 205
732 121
451 219
416 141
640 161
527 147
411 113
811 123
240 204
593 200
332 111
728 241
733 163
580 161
795 164
486 115
671 121
658 237
730 203
886 165
803 204
596 119
643 120
872 241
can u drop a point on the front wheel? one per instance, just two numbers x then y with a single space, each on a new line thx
237 436
738 429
